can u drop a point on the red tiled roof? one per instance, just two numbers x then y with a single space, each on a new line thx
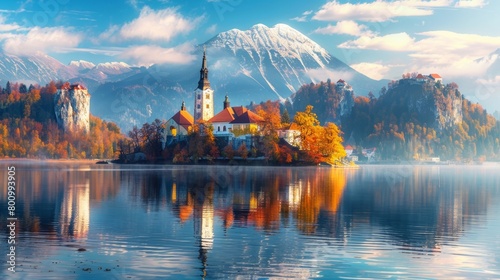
248 117
226 115
435 76
183 118
229 114
341 81
239 110
420 76
348 147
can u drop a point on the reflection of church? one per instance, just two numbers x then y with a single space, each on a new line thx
204 229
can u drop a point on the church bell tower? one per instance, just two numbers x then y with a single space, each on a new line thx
203 95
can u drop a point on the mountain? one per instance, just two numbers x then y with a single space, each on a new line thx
38 68
81 65
279 60
255 65
259 64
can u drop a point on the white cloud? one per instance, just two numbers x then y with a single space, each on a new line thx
377 11
303 17
46 39
495 81
348 27
148 55
161 25
449 53
471 3
376 71
109 34
392 42
322 74
211 29
6 27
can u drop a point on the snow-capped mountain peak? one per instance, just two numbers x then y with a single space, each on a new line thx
113 66
279 58
289 42
81 65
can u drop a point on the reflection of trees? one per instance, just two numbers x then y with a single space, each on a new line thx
322 192
44 190
419 207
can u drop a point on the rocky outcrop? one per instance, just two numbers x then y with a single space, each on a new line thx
72 108
346 94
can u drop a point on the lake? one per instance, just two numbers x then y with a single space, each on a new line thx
88 221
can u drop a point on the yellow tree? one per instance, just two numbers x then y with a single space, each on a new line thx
331 144
309 126
319 143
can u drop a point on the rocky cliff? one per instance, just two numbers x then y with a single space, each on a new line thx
72 108
426 102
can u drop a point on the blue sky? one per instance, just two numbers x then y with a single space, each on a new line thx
380 38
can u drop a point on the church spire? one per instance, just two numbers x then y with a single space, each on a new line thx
204 83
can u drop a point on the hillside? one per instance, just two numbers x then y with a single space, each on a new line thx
412 119
29 127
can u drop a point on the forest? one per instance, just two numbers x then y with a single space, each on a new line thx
411 120
28 127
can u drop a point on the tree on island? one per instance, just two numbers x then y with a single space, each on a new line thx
319 143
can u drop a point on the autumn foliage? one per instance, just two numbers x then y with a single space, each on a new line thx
28 127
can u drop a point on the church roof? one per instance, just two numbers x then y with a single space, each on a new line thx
239 110
248 117
229 114
183 118
226 115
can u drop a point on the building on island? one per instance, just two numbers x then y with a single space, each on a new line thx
203 95
232 119
181 123
235 124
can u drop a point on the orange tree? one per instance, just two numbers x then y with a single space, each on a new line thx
319 143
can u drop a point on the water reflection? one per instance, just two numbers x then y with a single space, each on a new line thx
74 215
283 222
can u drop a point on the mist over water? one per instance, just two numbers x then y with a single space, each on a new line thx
192 222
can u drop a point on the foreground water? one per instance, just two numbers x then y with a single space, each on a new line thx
193 222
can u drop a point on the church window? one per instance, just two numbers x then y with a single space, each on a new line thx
199 106
224 129
199 96
218 128
208 106
207 96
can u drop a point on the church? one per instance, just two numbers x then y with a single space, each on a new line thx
225 123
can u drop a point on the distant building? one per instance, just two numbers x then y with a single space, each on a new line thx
422 78
348 149
291 135
436 78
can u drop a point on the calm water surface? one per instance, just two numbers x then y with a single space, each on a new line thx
195 222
